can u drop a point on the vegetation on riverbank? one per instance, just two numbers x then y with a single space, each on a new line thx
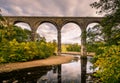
73 47
107 57
108 62
16 45
13 51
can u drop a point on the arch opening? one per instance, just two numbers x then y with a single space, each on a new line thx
48 31
23 25
93 32
26 28
70 34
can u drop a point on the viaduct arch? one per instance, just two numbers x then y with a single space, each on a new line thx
58 22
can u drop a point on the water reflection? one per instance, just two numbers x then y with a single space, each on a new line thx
65 73
59 74
52 76
83 69
29 75
69 72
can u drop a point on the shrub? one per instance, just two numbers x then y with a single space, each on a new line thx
73 47
14 51
108 64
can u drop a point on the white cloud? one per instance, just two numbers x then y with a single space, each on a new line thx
48 31
71 33
48 7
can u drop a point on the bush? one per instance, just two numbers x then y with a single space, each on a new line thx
14 48
73 47
14 51
108 63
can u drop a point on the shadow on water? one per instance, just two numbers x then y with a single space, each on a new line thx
83 69
28 75
72 72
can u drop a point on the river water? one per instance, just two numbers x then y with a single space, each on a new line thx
64 73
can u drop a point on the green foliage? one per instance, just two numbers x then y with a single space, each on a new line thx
14 51
73 47
105 34
110 29
108 64
93 47
94 34
107 57
15 48
20 34
64 47
107 6
11 32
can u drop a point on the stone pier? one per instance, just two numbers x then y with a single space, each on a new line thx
35 21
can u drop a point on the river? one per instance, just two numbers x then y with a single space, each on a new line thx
64 73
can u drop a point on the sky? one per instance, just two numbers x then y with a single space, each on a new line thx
74 8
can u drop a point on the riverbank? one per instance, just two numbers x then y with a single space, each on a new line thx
53 60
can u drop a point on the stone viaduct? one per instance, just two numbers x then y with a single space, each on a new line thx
58 22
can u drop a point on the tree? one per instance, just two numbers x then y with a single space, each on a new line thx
108 58
20 34
107 6
110 24
108 63
73 47
14 48
106 33
10 32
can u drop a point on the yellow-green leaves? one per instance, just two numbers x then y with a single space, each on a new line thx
13 51
109 64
